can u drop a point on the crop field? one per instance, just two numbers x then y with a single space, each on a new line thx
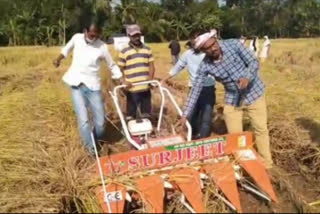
44 167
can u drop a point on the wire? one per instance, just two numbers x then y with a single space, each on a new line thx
101 173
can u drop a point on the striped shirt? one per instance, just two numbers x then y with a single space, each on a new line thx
135 64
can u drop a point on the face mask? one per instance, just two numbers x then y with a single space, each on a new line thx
90 41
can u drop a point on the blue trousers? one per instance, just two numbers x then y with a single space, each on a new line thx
84 98
202 115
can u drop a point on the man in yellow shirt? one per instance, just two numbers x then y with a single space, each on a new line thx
137 64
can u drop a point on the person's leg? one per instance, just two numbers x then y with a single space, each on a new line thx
207 103
131 105
176 58
194 121
145 103
258 115
233 119
98 111
80 107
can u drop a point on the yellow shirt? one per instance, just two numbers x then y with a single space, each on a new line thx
135 62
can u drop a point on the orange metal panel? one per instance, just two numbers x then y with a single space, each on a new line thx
155 158
152 190
224 176
253 165
188 181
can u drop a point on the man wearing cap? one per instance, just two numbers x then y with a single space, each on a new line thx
237 69
137 64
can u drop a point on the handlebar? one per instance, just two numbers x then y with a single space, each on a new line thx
163 90
155 82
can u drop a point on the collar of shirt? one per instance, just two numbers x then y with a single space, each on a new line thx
136 47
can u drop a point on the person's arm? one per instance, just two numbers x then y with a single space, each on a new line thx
152 69
177 68
65 51
122 63
115 70
252 65
57 61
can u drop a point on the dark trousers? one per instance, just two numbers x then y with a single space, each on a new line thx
175 59
202 114
142 99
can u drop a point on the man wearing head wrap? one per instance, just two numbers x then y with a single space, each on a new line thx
236 67
201 119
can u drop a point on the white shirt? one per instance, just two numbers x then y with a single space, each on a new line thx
265 49
85 67
192 61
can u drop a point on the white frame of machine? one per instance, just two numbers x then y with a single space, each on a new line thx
163 91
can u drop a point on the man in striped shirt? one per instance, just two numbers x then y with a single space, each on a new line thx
137 64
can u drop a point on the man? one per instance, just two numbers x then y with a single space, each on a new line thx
84 80
137 64
175 51
237 69
265 49
202 115
254 45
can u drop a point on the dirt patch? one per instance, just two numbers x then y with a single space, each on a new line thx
17 83
5 80
293 150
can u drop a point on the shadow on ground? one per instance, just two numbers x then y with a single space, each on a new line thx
311 126
113 132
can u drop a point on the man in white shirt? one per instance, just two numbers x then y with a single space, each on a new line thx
254 45
265 49
83 77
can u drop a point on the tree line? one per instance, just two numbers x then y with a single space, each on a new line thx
52 22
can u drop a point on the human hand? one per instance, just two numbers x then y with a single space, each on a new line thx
183 123
56 63
126 83
243 83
